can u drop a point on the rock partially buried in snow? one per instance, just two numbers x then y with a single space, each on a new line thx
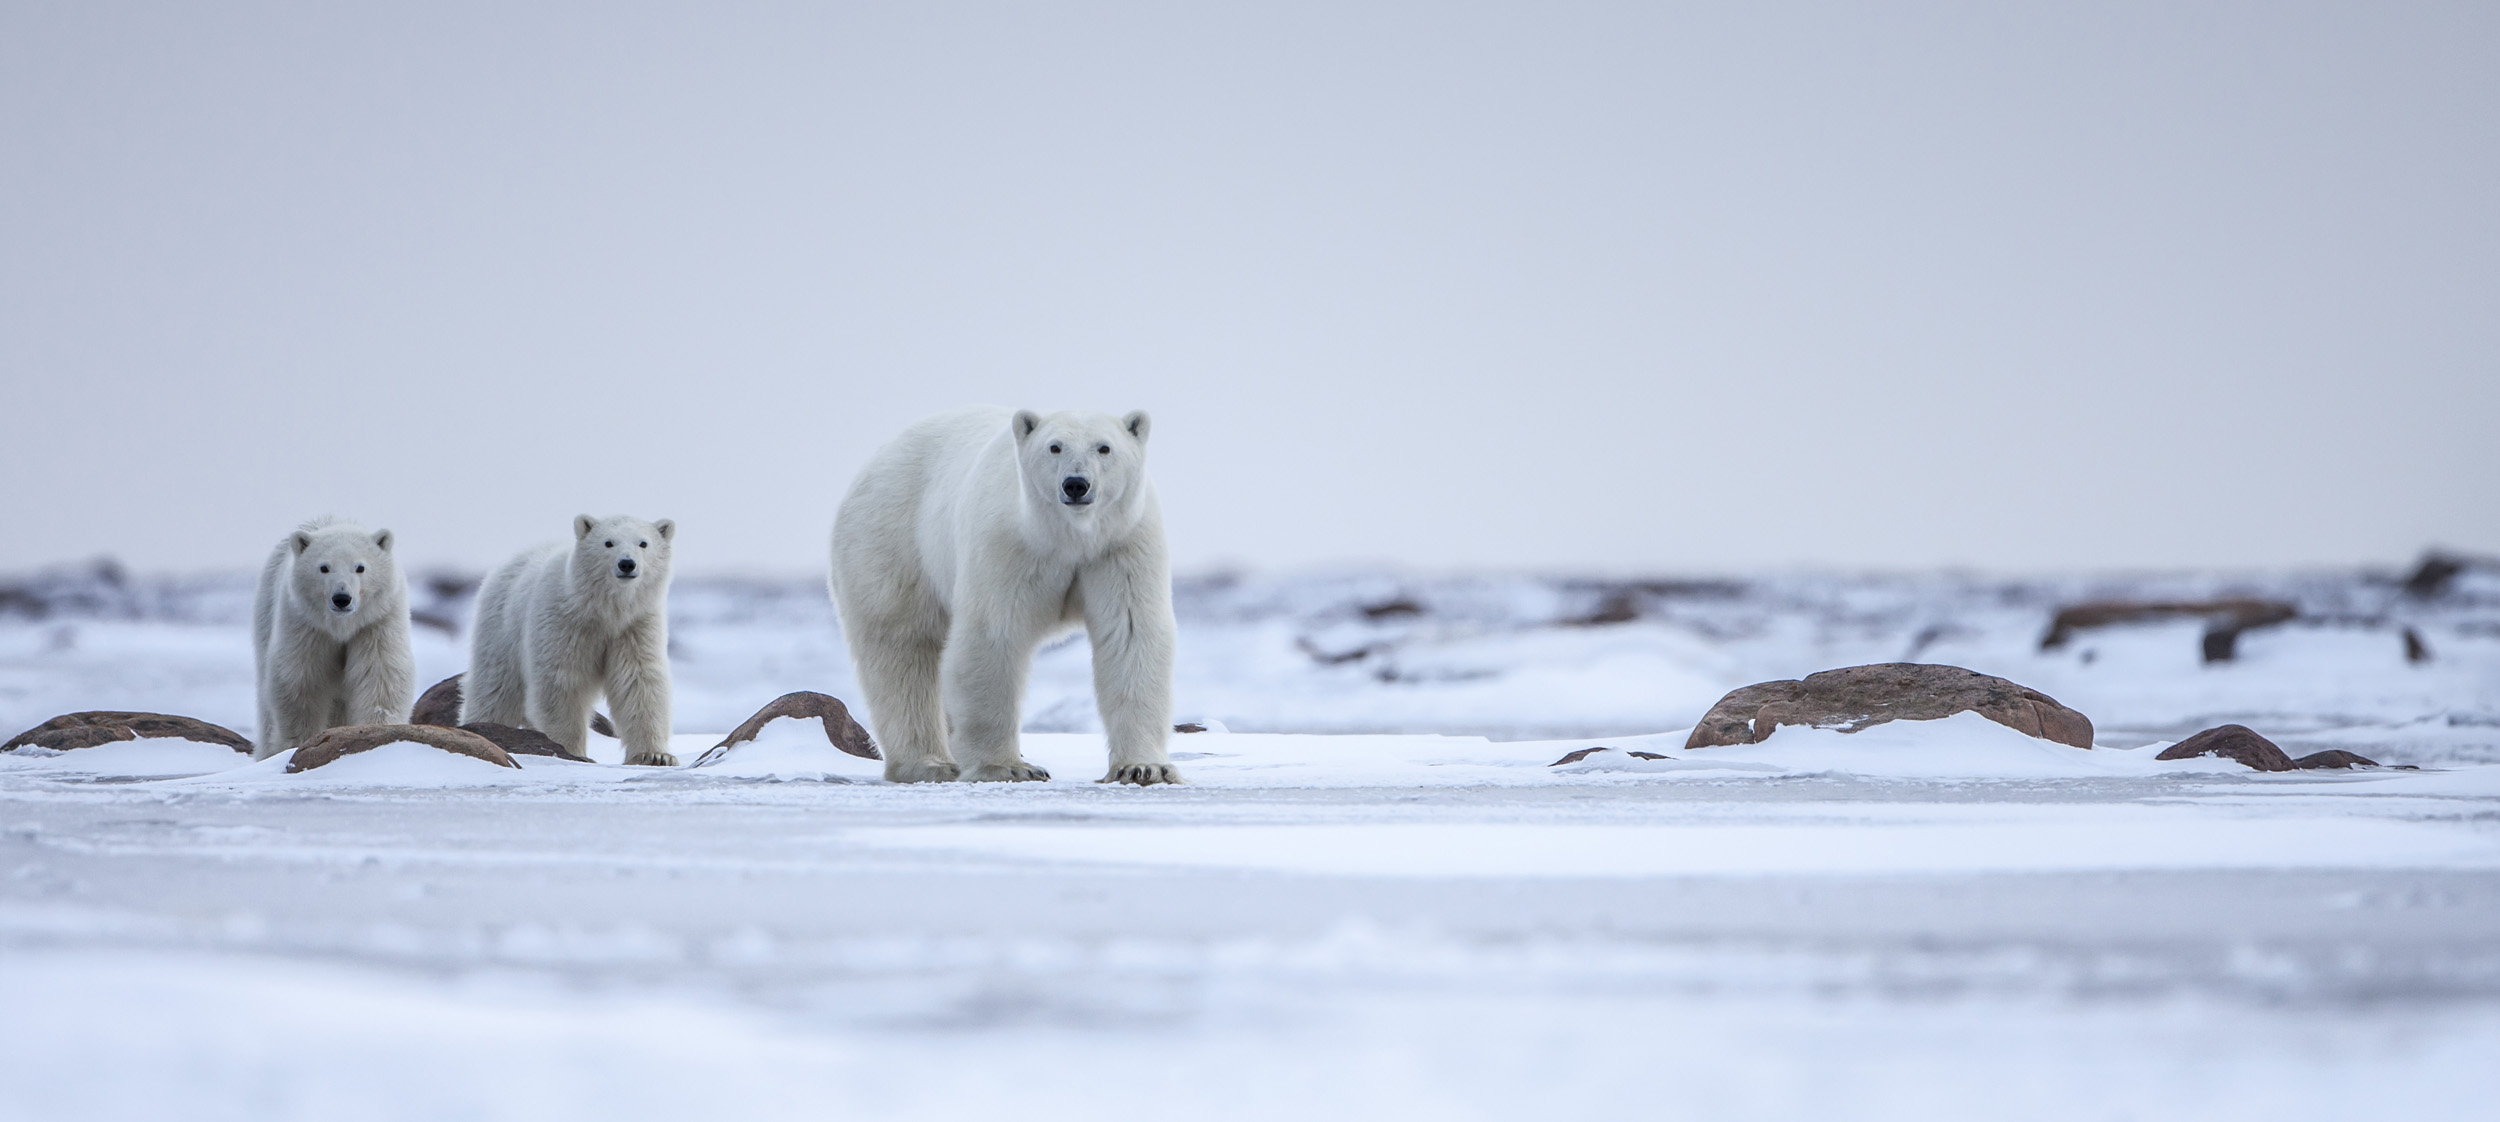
2224 619
845 733
88 729
1859 697
347 740
2241 744
439 705
522 742
1578 754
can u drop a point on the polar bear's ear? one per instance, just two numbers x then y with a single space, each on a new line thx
667 528
1024 424
303 541
583 524
382 541
1137 424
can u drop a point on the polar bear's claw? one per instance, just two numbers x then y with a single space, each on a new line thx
1143 775
1017 772
652 759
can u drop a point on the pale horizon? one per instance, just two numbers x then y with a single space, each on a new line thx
1589 288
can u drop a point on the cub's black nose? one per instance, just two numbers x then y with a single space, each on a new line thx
1075 488
626 566
341 600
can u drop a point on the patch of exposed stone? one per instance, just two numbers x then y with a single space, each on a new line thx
104 726
2242 745
1859 697
347 740
844 732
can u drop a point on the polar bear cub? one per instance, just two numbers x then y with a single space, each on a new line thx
330 635
562 624
968 540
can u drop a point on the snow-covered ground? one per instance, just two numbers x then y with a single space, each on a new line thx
1375 899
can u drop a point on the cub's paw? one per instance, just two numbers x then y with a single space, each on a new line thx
1143 775
926 771
1016 772
651 759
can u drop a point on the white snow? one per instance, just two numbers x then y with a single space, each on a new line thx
1377 899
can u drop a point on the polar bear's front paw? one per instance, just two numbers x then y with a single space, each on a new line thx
651 759
1018 771
1143 775
926 771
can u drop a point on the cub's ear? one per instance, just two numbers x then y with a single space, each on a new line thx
667 528
583 524
1137 423
303 541
1024 424
382 541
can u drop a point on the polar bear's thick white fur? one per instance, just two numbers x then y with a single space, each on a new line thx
562 624
968 540
330 635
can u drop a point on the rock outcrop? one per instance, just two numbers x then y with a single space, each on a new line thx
347 740
104 726
844 732
2242 745
1858 697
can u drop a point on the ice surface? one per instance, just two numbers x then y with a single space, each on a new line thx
1376 898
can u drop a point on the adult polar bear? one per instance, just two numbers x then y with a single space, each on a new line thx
968 540
330 635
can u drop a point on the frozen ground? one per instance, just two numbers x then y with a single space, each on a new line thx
1343 915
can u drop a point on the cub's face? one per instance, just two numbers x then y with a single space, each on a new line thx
1081 462
335 568
626 553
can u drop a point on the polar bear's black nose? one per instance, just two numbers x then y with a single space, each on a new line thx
1075 488
340 600
626 566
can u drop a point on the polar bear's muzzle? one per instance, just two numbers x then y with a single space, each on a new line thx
625 569
1076 490
342 602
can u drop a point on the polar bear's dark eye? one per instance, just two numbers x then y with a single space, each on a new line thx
642 545
360 568
611 545
1054 449
1105 449
325 568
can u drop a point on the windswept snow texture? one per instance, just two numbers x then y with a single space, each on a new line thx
1376 898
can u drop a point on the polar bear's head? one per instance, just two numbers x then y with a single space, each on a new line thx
625 554
343 574
1081 462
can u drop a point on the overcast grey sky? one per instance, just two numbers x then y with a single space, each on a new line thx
1609 287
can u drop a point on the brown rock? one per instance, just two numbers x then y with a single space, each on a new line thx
1859 697
845 733
88 729
347 740
522 742
1619 606
2431 577
2333 757
2224 619
2238 743
440 705
1401 608
1578 754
